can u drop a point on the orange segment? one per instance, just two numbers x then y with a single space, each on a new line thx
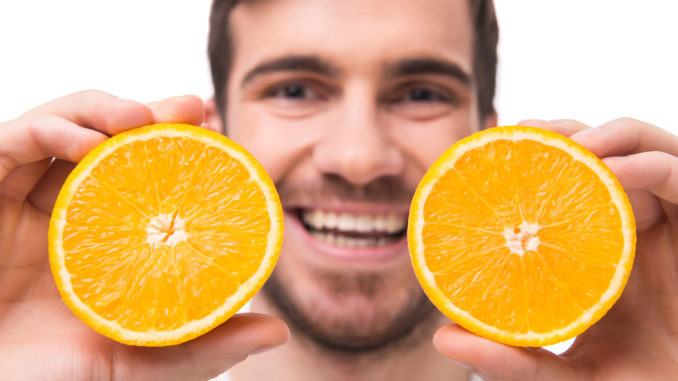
521 235
162 233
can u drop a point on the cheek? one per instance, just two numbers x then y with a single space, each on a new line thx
277 143
423 143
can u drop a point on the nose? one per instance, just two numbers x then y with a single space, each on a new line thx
357 146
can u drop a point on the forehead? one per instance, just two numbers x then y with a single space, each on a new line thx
351 33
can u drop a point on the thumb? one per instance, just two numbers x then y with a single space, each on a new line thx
206 356
495 361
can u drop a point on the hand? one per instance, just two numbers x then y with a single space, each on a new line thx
638 338
39 337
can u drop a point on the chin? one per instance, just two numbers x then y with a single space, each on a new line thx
346 298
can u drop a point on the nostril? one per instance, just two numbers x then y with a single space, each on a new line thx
359 155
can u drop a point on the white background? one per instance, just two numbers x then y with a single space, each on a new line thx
591 60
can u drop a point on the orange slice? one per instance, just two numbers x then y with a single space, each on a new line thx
162 233
521 236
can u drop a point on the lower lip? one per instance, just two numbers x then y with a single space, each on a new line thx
379 254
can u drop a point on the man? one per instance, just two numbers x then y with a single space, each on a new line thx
346 104
362 111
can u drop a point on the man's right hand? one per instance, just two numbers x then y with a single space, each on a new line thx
39 336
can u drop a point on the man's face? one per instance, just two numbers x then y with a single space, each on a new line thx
346 104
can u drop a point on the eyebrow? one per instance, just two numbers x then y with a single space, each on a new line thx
292 63
425 65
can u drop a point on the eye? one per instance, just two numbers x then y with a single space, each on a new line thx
422 101
293 92
423 94
296 97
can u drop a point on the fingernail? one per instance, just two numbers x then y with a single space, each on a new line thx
582 137
529 122
262 349
461 365
587 132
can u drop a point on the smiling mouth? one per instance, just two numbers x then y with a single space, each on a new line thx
351 230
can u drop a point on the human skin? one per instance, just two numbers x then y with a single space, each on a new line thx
360 122
41 339
358 125
638 338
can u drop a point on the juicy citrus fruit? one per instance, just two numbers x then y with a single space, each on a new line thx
521 235
162 233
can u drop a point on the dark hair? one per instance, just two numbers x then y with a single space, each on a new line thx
485 38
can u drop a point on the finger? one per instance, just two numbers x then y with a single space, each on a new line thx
45 193
34 138
188 109
494 361
656 172
22 179
565 127
626 137
97 110
647 209
207 356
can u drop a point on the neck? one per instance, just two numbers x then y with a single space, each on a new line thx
411 358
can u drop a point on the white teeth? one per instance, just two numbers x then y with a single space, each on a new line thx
314 218
395 223
380 223
328 220
363 223
331 238
341 240
346 222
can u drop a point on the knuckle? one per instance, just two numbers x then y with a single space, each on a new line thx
95 98
91 93
34 126
565 122
9 125
624 122
7 164
192 98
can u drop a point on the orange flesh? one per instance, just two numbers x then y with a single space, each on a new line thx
580 243
197 271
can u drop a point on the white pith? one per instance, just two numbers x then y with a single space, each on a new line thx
150 337
618 198
166 229
522 238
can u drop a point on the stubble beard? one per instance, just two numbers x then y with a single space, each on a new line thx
343 311
353 328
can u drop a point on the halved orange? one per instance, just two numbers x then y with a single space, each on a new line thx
521 235
162 233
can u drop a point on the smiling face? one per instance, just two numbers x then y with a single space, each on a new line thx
346 104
